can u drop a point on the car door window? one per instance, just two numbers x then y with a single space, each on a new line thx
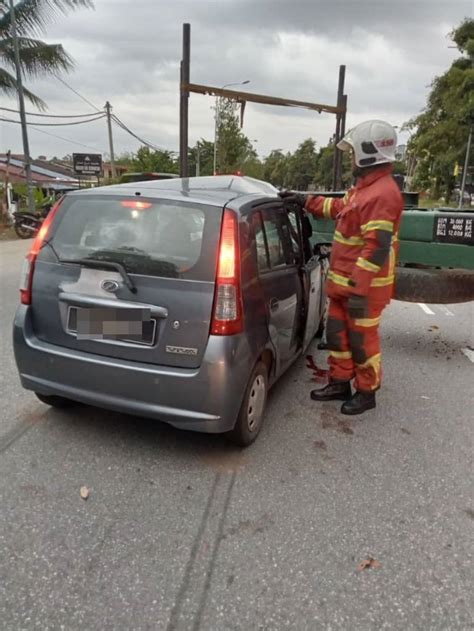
295 235
273 239
263 259
277 231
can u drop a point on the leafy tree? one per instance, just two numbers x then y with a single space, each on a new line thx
276 168
125 159
399 168
441 130
302 166
37 58
205 149
234 149
325 169
148 160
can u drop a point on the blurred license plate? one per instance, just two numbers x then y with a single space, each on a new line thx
124 325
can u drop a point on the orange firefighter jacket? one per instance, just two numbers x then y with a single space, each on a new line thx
365 245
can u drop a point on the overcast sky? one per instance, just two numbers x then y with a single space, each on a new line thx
128 52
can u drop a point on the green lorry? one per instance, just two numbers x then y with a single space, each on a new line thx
436 262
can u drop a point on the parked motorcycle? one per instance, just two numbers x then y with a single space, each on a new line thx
26 224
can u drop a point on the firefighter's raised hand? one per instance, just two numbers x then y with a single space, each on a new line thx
289 197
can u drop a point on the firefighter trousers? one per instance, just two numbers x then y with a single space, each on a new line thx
354 346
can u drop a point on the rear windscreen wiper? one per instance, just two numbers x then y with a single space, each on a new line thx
95 263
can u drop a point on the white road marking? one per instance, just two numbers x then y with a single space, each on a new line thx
447 311
469 353
425 308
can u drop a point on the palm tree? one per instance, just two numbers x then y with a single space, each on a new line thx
37 58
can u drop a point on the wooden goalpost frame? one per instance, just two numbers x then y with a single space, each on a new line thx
186 88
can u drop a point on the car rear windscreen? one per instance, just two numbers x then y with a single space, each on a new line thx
147 236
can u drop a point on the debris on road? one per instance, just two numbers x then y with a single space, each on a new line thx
434 327
320 444
85 492
344 427
369 564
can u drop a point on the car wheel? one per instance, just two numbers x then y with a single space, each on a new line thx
23 231
54 401
250 419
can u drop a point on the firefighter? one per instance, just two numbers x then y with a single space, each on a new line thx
362 267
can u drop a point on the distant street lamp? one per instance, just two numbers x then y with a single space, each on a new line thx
216 119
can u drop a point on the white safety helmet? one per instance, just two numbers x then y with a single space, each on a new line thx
373 142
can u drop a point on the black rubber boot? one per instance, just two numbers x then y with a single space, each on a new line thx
359 403
334 391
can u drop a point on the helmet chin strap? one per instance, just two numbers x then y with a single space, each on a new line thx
362 171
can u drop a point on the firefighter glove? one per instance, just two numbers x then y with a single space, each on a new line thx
288 197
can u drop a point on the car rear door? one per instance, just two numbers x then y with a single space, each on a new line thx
312 269
280 282
131 279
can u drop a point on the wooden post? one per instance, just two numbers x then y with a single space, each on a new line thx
336 179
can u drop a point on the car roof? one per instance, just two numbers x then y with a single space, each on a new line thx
215 190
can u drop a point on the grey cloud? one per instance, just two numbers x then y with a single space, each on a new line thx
129 52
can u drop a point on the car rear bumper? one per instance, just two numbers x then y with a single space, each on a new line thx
206 399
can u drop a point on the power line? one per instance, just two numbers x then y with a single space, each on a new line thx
91 120
74 142
83 98
118 122
122 125
8 109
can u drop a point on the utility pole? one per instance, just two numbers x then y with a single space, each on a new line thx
184 102
108 110
216 129
466 166
21 103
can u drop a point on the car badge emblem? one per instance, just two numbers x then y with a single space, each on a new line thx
109 285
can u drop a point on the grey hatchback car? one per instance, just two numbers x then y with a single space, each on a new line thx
181 300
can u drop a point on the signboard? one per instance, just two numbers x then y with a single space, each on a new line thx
87 163
454 229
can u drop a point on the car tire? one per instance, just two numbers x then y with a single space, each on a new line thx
437 286
54 401
250 418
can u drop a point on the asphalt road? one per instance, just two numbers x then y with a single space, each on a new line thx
182 531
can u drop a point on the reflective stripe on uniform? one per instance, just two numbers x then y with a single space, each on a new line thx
383 281
367 322
338 279
367 265
377 225
375 363
327 205
348 240
341 354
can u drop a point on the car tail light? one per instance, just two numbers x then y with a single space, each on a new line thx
26 278
227 317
